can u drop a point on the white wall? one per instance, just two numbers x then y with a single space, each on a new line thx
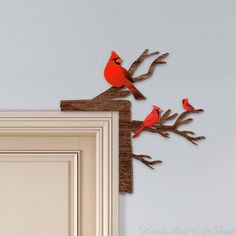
57 49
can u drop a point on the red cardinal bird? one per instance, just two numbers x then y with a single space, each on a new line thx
152 119
118 76
187 106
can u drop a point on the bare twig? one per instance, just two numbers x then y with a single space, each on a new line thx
148 163
167 117
151 69
134 66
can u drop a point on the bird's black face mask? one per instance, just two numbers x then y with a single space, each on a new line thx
117 60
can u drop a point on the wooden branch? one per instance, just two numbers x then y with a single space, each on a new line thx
134 66
167 117
157 61
112 93
148 163
109 101
164 129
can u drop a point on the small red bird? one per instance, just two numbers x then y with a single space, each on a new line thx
152 119
186 105
118 76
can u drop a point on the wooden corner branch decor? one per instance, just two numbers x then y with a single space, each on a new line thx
105 102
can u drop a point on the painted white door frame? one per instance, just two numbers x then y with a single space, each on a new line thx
104 126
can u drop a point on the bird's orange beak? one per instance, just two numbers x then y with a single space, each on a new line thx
119 60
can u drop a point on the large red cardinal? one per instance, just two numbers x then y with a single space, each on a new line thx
118 76
187 106
152 119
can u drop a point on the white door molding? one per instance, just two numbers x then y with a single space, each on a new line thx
103 126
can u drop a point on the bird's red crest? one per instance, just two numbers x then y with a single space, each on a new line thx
156 107
114 55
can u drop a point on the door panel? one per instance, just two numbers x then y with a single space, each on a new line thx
38 194
86 146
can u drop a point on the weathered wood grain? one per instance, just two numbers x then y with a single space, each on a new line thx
125 146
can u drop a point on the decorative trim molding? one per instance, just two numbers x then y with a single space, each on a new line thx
102 125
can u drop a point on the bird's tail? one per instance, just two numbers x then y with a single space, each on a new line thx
137 133
137 94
